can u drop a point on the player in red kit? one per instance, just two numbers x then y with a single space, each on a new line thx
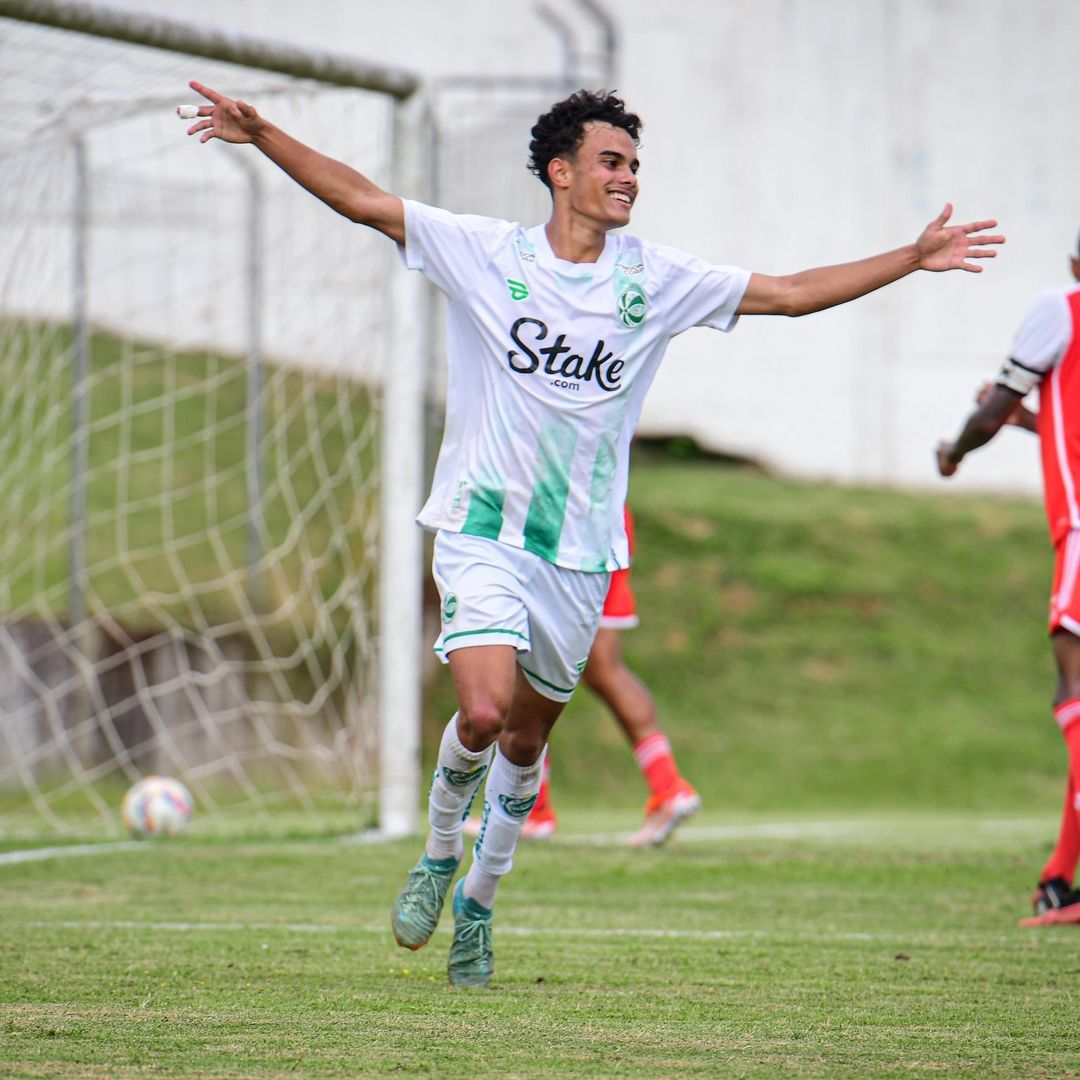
671 799
1045 354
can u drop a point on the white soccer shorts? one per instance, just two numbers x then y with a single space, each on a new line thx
495 594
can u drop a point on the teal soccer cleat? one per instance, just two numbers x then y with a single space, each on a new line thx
420 903
471 958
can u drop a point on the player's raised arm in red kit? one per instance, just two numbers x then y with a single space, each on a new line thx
338 185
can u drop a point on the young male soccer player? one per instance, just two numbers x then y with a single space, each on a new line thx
672 799
555 333
1045 353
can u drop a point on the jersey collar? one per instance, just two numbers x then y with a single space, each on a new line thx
547 258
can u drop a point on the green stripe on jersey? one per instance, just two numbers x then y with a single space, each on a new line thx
547 508
603 478
485 516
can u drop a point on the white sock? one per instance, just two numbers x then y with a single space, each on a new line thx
509 796
457 776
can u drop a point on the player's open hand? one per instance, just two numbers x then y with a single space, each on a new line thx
224 118
950 247
945 463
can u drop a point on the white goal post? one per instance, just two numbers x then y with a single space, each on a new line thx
211 433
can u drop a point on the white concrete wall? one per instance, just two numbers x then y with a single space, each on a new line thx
782 134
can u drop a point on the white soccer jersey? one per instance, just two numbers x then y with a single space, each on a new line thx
549 363
1040 341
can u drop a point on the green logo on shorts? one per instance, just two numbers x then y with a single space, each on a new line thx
580 665
632 306
449 608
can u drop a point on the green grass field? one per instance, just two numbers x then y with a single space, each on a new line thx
858 683
828 947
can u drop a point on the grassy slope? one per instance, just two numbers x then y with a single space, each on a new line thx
810 646
166 480
819 647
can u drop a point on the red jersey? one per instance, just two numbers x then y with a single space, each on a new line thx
1059 431
1046 353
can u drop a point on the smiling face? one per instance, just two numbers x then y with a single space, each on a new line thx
599 182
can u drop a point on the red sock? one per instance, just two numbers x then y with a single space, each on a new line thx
657 764
543 799
1062 863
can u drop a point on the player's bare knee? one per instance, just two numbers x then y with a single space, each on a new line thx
480 724
523 747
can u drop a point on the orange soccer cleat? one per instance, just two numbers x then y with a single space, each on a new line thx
665 813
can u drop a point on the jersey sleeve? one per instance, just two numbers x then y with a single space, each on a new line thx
698 293
450 249
1039 343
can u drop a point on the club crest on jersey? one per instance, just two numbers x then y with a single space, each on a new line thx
631 304
518 289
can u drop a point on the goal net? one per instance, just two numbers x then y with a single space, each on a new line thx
191 462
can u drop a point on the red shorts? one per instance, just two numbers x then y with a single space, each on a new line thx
1065 595
620 611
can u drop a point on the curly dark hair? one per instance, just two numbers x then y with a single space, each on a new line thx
560 131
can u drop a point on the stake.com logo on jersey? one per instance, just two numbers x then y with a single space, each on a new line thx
570 369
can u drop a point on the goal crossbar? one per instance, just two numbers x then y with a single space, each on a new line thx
174 35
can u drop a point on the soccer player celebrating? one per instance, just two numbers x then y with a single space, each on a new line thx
555 333
1045 353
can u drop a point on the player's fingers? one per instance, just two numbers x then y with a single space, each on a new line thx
979 226
247 111
210 95
202 125
981 253
971 267
945 214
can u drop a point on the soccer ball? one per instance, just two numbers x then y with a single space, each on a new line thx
157 806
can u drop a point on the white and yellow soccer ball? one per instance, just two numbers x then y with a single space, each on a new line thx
157 806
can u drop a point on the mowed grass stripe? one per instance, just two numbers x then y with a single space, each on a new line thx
997 937
761 956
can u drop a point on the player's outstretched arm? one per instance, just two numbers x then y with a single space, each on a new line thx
1021 416
341 187
990 416
940 246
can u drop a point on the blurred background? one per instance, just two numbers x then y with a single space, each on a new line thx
780 135
189 571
